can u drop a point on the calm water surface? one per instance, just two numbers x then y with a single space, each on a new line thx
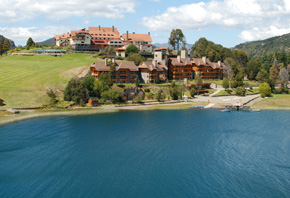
187 153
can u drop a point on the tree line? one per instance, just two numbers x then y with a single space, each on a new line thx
5 45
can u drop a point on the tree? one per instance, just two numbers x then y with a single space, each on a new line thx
137 58
159 95
114 94
1 44
106 81
252 68
274 73
98 88
240 57
6 46
175 91
284 78
192 92
265 90
180 38
240 91
30 42
262 76
112 66
198 81
89 84
137 81
110 50
225 83
132 49
172 39
52 97
75 91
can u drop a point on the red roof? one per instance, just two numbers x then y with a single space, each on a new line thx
137 37
101 65
160 48
63 36
150 66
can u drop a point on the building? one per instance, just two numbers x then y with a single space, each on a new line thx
93 39
93 102
208 69
142 41
130 94
152 72
126 71
179 68
62 40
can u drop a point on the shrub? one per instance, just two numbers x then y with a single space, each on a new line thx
240 91
192 92
229 91
159 95
225 83
119 58
265 89
147 90
138 99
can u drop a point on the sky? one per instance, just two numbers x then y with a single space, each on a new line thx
225 22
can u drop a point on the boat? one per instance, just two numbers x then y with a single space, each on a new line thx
226 110
256 110
221 108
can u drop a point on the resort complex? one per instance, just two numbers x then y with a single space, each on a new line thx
98 38
161 68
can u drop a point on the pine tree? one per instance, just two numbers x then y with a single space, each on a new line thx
1 44
30 42
172 39
6 46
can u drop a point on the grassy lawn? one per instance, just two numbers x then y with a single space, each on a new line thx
275 102
248 91
25 79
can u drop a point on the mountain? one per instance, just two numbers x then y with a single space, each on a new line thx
12 42
166 45
267 46
49 42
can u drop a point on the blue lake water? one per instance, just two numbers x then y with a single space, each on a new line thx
186 153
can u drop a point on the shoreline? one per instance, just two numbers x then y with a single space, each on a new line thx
78 111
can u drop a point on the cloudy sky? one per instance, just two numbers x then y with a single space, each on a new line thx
226 22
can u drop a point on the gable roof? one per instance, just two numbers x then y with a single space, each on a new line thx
101 65
62 36
150 66
183 62
207 62
137 37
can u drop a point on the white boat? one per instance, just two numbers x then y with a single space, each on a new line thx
256 110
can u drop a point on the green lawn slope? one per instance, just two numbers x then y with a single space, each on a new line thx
25 79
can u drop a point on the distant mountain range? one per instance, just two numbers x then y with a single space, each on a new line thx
267 46
49 42
12 42
166 45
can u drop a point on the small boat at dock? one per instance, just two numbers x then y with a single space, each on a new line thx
226 110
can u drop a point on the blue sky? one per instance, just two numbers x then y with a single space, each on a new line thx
226 22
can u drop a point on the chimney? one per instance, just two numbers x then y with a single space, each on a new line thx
99 28
148 33
179 58
204 59
219 63
106 62
113 29
184 54
127 36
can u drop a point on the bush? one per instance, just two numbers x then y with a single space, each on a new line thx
234 84
229 91
240 91
225 83
138 99
265 89
159 95
119 58
192 92
147 90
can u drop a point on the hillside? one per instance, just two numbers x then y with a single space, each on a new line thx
12 42
49 42
274 44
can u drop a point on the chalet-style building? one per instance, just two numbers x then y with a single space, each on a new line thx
142 41
130 94
208 69
126 71
62 40
179 68
153 71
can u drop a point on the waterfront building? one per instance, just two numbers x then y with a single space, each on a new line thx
208 69
152 72
180 68
130 94
126 71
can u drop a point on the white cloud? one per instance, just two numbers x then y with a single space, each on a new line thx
270 17
21 34
15 10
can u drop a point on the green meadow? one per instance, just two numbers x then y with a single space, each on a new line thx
25 79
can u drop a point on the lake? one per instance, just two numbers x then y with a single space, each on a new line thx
173 153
